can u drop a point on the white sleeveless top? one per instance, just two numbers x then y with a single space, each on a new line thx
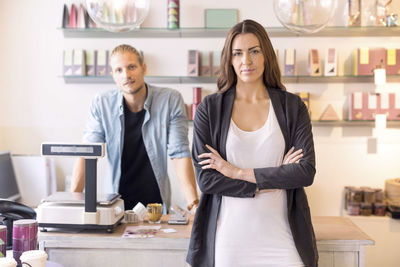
255 231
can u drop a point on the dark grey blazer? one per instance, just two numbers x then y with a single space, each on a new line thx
211 126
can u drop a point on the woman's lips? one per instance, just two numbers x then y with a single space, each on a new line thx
247 71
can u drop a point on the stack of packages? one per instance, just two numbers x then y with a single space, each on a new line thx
392 192
364 201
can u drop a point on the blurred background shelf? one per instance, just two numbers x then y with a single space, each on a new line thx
221 33
205 79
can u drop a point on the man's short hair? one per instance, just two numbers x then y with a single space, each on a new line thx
127 48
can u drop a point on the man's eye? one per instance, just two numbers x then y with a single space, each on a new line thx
132 67
118 70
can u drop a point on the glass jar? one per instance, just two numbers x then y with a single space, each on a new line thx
356 195
353 208
369 196
379 209
366 209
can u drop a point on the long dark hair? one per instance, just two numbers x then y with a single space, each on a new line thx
227 76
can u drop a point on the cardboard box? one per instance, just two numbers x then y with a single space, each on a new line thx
193 63
357 105
331 62
392 61
314 64
78 63
290 62
67 62
367 59
205 63
394 106
102 63
305 97
216 61
91 62
220 18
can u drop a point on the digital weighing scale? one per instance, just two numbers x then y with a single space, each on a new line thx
80 210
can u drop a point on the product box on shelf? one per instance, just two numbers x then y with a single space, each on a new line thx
364 106
331 62
102 63
193 63
220 18
314 63
78 63
72 17
365 60
91 62
329 114
67 62
358 105
216 61
81 22
354 12
65 17
393 61
290 62
206 63
305 97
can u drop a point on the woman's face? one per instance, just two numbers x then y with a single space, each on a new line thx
247 58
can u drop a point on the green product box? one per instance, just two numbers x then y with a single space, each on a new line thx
220 18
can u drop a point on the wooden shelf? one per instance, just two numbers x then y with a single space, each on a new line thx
221 33
371 124
389 124
204 79
148 79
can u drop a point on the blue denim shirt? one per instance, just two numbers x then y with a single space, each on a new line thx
164 131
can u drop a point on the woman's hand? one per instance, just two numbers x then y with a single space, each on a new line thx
216 162
292 157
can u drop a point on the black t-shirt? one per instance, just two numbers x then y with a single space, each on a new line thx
138 182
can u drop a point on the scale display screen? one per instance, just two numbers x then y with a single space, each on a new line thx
75 150
71 149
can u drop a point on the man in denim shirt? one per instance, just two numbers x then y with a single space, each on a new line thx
140 125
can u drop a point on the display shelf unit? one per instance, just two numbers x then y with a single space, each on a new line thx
344 123
221 33
205 79
148 79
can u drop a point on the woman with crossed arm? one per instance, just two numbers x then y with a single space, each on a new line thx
253 153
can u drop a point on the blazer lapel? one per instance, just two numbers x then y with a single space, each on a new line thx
227 106
277 103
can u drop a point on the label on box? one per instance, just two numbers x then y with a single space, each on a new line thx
384 101
357 100
371 101
364 55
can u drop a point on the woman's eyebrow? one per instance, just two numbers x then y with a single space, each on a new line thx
251 48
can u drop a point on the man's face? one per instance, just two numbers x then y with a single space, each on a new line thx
127 72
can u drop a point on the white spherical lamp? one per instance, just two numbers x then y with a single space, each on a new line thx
118 15
305 16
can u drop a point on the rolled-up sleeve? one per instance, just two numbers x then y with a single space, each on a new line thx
211 181
293 175
178 142
94 130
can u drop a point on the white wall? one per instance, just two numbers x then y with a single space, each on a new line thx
36 105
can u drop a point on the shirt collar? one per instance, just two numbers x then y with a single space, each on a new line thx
147 102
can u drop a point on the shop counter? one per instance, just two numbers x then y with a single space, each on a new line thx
340 244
